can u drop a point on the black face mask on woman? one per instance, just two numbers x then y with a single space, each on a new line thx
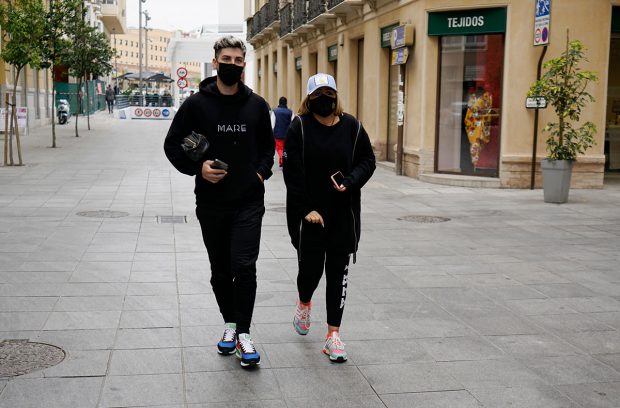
230 74
322 106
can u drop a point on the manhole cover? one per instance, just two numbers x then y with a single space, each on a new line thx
424 219
172 219
103 214
277 209
19 357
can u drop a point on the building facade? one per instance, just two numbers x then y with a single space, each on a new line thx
441 85
34 89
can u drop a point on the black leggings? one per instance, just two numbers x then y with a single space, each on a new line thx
232 238
313 257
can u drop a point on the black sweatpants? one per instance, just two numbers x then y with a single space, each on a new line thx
313 258
232 239
110 106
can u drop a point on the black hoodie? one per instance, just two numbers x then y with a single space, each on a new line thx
238 128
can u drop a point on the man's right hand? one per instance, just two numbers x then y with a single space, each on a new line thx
210 174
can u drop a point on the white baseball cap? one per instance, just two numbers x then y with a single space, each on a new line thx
321 81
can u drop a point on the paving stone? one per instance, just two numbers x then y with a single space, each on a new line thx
79 363
460 348
150 302
27 304
412 377
145 361
612 360
147 338
563 370
137 319
82 320
14 321
534 396
197 359
76 392
534 307
533 345
89 303
598 395
351 401
140 390
570 323
595 342
232 386
79 339
440 399
491 373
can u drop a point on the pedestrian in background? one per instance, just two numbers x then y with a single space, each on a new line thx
230 190
327 160
283 116
109 98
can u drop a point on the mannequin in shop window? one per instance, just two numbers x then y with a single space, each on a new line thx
478 122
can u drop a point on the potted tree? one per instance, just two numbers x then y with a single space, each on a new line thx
564 85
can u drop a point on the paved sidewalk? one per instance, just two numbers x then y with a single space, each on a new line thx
510 303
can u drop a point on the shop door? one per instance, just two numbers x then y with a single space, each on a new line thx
470 97
612 128
392 137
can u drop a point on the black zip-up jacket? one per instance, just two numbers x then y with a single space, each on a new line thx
309 163
238 128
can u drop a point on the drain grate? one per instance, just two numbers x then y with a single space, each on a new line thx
19 357
423 219
103 214
277 209
172 219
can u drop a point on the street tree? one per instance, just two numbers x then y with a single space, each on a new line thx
23 29
55 40
88 56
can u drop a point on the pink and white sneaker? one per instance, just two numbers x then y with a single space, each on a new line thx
334 348
301 321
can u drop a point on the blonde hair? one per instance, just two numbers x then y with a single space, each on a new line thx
303 108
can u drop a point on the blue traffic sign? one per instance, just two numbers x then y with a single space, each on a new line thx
543 8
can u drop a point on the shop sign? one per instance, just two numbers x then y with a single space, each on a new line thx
386 34
536 102
402 36
615 19
479 21
541 22
332 53
298 63
400 56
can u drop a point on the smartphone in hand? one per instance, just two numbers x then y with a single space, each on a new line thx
337 179
220 165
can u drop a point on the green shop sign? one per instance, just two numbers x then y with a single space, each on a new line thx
386 34
479 21
615 20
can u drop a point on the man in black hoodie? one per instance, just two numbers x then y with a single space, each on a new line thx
229 202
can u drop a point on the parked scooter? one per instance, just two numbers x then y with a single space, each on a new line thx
63 111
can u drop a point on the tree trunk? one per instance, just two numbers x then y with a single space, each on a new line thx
7 106
79 103
14 124
53 114
87 105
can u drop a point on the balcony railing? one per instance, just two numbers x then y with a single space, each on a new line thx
316 8
286 20
256 25
300 13
272 12
250 29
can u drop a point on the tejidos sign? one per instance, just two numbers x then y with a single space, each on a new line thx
463 22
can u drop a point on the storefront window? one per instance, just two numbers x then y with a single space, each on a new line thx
470 104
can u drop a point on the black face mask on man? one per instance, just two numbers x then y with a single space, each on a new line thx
322 105
230 74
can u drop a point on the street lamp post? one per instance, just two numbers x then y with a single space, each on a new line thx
146 40
140 47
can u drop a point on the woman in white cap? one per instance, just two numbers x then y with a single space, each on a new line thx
327 160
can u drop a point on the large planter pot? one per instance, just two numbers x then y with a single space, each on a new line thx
556 179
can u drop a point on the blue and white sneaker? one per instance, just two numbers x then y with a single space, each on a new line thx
227 345
246 352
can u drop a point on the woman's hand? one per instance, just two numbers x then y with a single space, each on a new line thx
340 188
314 217
210 174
